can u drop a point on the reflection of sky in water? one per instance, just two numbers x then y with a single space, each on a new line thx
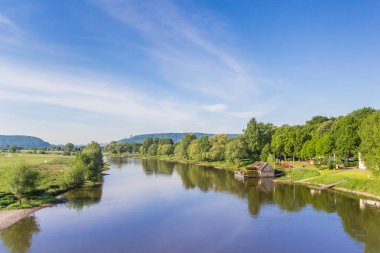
155 213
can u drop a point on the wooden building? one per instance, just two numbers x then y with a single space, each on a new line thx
257 169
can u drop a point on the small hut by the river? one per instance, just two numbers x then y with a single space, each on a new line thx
257 169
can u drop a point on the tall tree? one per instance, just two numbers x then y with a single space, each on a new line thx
236 151
21 178
283 141
68 148
345 135
370 142
218 147
324 145
256 136
184 144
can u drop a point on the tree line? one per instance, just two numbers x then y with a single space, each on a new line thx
327 140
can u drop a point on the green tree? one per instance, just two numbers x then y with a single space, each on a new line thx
68 148
324 145
21 178
166 149
184 145
90 160
361 114
12 149
218 147
257 135
199 148
370 142
283 141
312 125
163 141
308 149
236 151
147 142
265 152
325 127
152 150
75 175
345 135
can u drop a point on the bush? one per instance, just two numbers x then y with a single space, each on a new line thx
88 163
75 175
21 179
351 164
6 199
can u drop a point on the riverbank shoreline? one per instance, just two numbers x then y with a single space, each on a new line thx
10 217
305 182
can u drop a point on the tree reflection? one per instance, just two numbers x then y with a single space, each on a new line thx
18 237
362 224
156 167
84 197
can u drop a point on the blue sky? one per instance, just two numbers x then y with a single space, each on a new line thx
106 69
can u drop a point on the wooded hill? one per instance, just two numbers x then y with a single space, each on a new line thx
22 141
176 137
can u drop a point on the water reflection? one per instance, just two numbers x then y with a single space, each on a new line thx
360 218
18 237
156 167
84 197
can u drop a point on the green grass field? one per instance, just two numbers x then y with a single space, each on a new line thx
51 167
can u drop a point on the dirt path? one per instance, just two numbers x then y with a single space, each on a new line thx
9 217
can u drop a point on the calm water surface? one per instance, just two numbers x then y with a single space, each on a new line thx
152 206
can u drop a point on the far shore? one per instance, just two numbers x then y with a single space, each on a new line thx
304 181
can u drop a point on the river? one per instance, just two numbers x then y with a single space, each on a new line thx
157 206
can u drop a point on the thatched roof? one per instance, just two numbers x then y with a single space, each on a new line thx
258 166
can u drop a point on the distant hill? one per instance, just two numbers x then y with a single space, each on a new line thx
176 137
22 141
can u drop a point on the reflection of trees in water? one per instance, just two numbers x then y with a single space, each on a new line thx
86 196
208 178
117 162
291 198
18 237
361 224
156 167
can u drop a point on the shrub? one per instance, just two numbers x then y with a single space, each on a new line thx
21 179
88 163
75 175
350 164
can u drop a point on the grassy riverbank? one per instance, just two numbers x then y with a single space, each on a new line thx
50 167
358 181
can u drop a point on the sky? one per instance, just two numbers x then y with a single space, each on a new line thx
82 70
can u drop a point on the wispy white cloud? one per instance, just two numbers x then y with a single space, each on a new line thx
87 93
180 48
10 33
184 51
216 107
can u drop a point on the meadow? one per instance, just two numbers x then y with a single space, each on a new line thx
51 167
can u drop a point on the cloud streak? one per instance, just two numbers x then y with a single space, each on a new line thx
184 53
209 80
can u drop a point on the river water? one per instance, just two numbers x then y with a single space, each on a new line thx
156 206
